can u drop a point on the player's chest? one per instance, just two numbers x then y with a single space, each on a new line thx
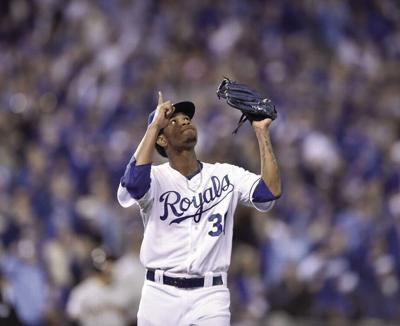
179 200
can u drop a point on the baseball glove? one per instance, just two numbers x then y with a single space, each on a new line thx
252 105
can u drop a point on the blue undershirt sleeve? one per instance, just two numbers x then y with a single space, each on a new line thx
136 179
262 194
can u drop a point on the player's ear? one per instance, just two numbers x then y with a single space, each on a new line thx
161 141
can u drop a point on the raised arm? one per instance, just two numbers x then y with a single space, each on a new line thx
144 151
135 182
269 166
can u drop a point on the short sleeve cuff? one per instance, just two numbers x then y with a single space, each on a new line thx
137 179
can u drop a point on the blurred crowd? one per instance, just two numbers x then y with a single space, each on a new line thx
77 81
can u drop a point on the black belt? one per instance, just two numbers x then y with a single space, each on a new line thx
183 282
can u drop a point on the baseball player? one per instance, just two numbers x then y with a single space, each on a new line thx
95 300
187 208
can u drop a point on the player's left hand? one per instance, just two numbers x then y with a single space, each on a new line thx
261 124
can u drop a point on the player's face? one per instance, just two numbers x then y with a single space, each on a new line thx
180 132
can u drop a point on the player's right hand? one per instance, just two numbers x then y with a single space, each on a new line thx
163 113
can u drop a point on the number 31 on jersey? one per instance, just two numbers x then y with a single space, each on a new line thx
218 227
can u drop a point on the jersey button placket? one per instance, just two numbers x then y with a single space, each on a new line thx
192 234
190 242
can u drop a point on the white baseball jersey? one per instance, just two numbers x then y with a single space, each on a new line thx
189 222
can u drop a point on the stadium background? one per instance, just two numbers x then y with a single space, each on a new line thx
77 81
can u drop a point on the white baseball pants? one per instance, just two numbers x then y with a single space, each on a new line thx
165 305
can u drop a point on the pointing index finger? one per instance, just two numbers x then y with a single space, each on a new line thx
160 98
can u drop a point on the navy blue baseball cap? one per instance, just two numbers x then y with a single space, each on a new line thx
186 107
